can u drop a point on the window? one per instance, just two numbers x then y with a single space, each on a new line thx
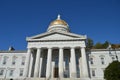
11 72
93 73
23 60
113 58
13 60
21 72
0 57
1 72
91 60
5 60
102 60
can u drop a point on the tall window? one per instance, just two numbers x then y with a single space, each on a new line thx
102 60
91 60
21 72
11 72
23 60
5 60
1 72
14 60
0 57
93 73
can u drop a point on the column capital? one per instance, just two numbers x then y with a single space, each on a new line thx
61 47
82 47
39 48
72 47
49 47
29 50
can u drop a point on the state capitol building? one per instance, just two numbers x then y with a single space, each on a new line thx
56 54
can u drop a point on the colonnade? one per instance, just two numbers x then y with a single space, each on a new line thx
73 73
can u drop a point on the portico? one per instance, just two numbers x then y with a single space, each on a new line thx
57 53
62 58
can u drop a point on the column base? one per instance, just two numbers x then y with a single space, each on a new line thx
73 75
84 78
60 75
50 79
35 75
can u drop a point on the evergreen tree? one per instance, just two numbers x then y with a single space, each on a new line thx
105 44
89 43
112 72
98 45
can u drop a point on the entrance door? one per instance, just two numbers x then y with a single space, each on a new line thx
56 72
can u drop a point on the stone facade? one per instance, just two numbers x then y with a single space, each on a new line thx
56 54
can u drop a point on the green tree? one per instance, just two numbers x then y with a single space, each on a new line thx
105 44
112 72
119 45
98 45
113 46
89 43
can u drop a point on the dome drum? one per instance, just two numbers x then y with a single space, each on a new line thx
60 28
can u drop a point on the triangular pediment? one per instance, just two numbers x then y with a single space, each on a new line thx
56 36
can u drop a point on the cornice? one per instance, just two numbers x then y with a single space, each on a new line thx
64 40
105 50
16 51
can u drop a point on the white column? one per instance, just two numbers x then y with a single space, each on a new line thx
29 53
80 67
41 61
70 68
37 61
52 69
30 65
61 63
73 63
49 58
84 64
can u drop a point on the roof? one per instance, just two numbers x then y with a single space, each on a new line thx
105 50
56 36
15 51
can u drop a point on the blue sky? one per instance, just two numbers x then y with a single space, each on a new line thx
98 19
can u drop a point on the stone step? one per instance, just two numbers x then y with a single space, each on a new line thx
54 79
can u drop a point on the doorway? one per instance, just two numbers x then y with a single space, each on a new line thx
56 72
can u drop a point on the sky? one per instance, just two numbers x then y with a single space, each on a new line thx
98 19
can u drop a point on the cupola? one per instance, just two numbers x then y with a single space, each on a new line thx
58 25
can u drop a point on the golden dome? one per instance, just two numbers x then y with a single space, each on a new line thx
58 21
58 25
